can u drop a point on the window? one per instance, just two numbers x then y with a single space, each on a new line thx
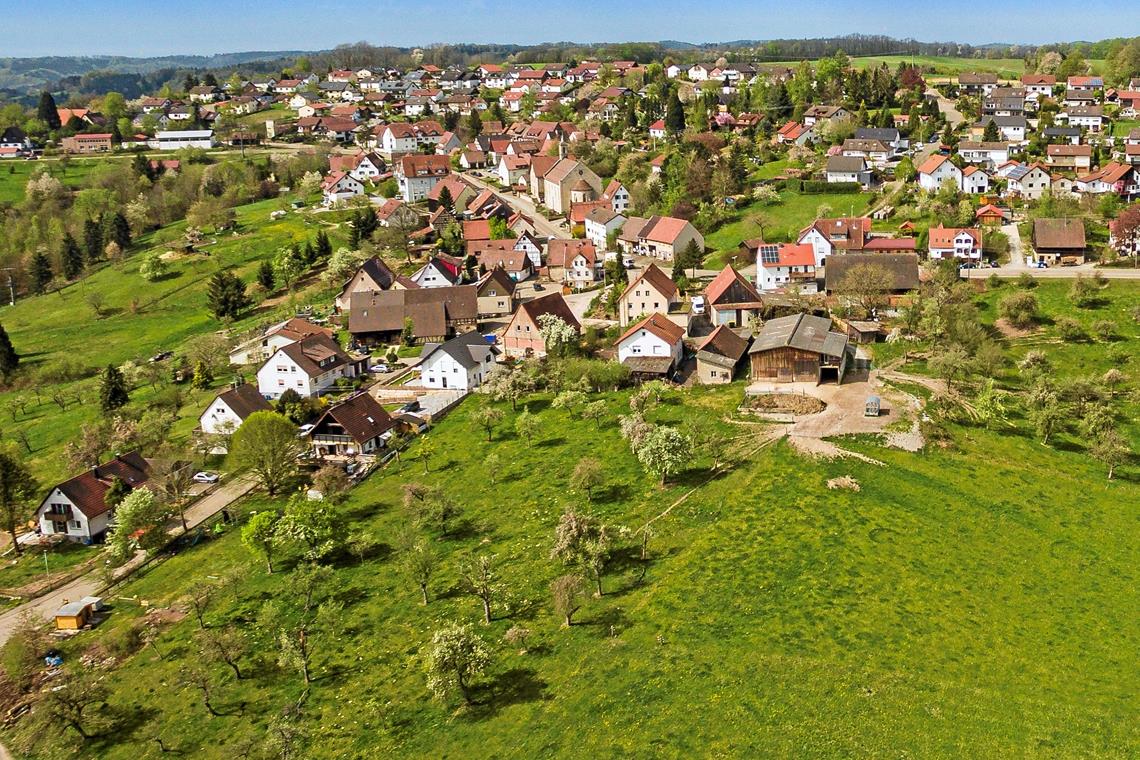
280 383
75 524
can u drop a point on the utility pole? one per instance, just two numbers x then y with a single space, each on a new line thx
11 286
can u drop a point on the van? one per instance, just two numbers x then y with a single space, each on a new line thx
698 304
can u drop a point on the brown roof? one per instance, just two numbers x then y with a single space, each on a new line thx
244 400
86 491
360 417
499 277
730 287
431 309
297 329
552 303
655 277
902 266
724 342
659 325
1059 234
560 252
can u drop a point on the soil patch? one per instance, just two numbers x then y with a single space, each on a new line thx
1010 331
787 403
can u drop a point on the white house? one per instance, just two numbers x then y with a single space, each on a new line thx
230 408
779 266
396 139
77 508
600 223
417 175
340 186
618 196
529 244
831 236
657 130
964 244
438 272
1027 181
186 138
656 338
983 153
975 181
310 367
848 169
935 171
261 347
462 363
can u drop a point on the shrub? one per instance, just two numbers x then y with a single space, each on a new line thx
1070 329
1019 308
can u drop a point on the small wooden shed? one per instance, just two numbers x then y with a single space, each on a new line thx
72 616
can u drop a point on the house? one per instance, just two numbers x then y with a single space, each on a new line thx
652 291
439 272
937 170
1059 241
876 152
501 254
795 133
975 181
719 355
522 336
962 243
366 167
372 275
495 294
987 154
731 299
417 175
512 169
76 508
1085 83
972 82
814 115
1039 84
1071 135
618 196
657 130
1027 181
338 187
652 347
661 237
600 224
88 143
1087 117
798 348
991 215
573 262
831 236
902 266
1117 241
1115 178
435 313
276 336
230 408
889 136
569 182
848 169
202 139
462 363
460 190
782 265
357 425
309 366
1010 128
395 213
1071 157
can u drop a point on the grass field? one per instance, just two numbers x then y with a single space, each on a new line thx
963 598
14 174
1124 126
16 572
61 328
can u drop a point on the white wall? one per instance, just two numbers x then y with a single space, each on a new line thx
645 343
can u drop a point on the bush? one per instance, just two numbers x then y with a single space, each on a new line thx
1019 308
1070 329
814 187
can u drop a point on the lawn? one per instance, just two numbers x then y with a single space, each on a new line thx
1122 127
781 222
140 319
14 174
966 597
30 566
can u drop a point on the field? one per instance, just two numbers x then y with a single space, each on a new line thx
966 599
14 174
1122 127
140 319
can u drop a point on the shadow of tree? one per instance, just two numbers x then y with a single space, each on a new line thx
515 686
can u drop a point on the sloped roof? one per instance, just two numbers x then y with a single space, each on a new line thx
656 278
1059 234
804 332
315 354
659 325
725 343
244 400
429 308
469 349
731 287
943 237
552 303
496 276
360 416
87 490
902 266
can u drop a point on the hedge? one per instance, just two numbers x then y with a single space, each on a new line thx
815 187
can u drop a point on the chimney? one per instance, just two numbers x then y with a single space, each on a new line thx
95 472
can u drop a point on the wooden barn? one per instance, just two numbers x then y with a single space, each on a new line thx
799 348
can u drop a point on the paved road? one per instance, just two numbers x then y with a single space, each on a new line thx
1053 273
948 108
1016 249
87 585
523 203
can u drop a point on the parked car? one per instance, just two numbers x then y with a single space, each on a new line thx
205 476
1039 265
378 368
538 286
411 406
161 356
698 304
628 262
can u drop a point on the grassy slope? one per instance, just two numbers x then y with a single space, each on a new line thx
964 601
14 175
60 326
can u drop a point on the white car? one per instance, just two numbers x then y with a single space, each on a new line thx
205 477
698 304
378 368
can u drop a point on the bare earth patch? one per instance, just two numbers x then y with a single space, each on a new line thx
1010 331
846 483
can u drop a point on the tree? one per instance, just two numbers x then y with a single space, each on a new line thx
482 582
596 411
1019 308
17 487
71 258
288 265
583 541
674 114
361 544
42 273
259 536
118 231
558 336
1083 292
566 591
203 377
47 112
1047 418
456 656
79 702
950 364
153 266
428 506
1111 449
990 133
526 425
267 445
866 285
905 170
445 201
474 124
408 332
1126 231
419 562
9 359
587 476
265 277
487 418
113 393
664 451
92 239
333 483
139 521
226 296
309 524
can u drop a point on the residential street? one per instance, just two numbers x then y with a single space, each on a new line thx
948 108
90 584
1016 249
524 204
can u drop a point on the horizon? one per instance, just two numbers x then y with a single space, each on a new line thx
262 26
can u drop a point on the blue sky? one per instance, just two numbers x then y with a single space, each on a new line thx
135 27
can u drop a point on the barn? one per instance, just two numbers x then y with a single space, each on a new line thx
799 348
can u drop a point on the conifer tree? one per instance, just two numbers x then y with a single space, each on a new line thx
71 258
9 359
41 272
113 393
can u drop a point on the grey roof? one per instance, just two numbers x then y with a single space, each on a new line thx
805 332
903 268
884 134
469 349
846 164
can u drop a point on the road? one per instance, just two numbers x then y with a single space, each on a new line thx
88 585
1052 273
948 108
524 204
1016 249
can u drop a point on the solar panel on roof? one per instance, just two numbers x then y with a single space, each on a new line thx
769 254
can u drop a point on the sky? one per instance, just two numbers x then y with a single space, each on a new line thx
203 27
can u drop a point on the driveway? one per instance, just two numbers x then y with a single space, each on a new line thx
1016 249
948 108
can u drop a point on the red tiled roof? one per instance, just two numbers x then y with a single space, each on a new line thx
659 325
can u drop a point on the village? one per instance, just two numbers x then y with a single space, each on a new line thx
717 256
